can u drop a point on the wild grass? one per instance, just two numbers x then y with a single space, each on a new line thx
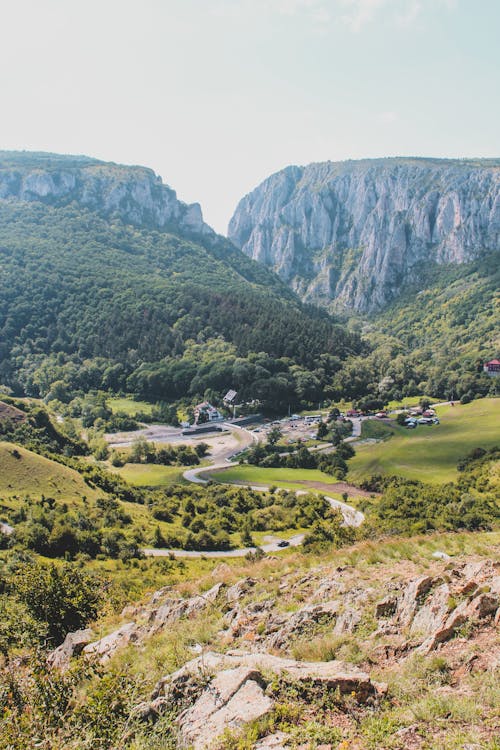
374 430
23 472
329 647
150 475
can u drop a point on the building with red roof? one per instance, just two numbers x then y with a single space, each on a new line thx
492 367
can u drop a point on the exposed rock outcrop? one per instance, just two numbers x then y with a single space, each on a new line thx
73 645
134 194
356 231
234 690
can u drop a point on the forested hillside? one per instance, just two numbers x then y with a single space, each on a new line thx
433 340
92 302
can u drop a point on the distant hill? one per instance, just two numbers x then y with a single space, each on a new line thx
105 275
354 234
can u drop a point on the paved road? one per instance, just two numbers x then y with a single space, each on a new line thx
352 517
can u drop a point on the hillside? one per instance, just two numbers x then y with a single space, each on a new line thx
23 472
100 284
431 454
381 645
353 234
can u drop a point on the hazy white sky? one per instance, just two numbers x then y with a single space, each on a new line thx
215 95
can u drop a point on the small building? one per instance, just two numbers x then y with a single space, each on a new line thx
205 412
230 397
492 367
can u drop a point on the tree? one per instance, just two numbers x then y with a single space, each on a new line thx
62 598
274 436
322 430
158 538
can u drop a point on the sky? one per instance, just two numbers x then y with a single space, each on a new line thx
216 95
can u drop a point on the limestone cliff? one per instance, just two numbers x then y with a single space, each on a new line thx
355 232
134 194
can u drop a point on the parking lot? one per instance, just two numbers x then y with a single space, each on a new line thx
292 429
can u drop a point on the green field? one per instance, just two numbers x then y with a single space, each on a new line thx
431 453
23 472
372 429
408 402
292 478
129 406
150 475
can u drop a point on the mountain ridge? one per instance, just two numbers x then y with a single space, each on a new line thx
133 193
353 233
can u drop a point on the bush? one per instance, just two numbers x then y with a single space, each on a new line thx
62 598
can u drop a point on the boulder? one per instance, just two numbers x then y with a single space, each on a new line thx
412 598
229 690
238 590
73 645
483 606
433 612
289 627
330 674
447 629
105 648
275 741
386 607
235 697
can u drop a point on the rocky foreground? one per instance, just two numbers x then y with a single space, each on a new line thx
323 642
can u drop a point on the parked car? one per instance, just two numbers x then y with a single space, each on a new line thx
435 420
283 543
425 420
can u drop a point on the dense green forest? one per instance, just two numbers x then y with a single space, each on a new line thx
87 303
433 340
91 304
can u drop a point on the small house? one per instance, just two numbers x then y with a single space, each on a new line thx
492 367
205 412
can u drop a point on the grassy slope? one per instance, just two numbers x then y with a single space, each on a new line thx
278 477
431 453
35 475
150 475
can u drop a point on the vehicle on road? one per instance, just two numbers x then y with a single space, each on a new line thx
283 543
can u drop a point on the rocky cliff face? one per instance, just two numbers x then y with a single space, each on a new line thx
355 232
134 194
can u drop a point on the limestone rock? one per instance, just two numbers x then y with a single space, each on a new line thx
106 647
134 194
357 231
238 590
332 674
229 690
72 645
235 697
408 604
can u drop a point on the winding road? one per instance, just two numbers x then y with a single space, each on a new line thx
352 517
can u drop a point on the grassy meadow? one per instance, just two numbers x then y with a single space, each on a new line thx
430 454
281 477
129 406
150 475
